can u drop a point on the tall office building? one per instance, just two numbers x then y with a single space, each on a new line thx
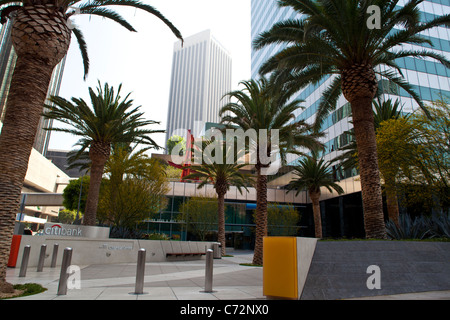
7 63
430 79
201 76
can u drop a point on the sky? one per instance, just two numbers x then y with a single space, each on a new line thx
142 61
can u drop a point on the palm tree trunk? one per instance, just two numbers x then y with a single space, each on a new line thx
90 215
261 216
41 39
98 153
392 200
25 104
221 221
368 163
315 196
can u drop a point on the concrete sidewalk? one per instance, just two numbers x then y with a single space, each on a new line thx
172 280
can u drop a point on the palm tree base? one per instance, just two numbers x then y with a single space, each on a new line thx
6 287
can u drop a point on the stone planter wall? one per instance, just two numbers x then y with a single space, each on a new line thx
105 251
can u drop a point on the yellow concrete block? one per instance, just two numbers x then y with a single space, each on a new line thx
280 267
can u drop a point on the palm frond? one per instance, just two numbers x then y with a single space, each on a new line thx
110 118
402 83
83 49
133 4
312 174
222 173
109 14
328 102
281 32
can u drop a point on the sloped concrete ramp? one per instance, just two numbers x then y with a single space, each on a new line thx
340 269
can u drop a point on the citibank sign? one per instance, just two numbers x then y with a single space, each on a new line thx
63 230
69 230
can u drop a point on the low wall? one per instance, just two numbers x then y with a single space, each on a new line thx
105 251
339 269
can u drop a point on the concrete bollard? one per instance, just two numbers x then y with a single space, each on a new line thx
25 258
140 272
66 261
54 255
209 271
40 265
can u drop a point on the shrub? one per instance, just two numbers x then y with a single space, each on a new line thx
440 226
155 236
124 233
419 227
408 228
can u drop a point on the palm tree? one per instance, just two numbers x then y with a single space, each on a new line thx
264 108
313 174
387 110
222 174
330 39
134 188
41 37
128 161
110 120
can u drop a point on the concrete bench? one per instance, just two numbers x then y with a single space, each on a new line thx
184 254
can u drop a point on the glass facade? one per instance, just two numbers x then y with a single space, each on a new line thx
264 14
430 79
239 215
169 220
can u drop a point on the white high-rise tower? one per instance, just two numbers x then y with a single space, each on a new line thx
201 76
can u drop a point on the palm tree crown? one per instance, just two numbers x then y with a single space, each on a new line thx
110 121
330 38
259 106
222 174
312 174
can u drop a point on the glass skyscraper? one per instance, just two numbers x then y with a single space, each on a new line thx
430 79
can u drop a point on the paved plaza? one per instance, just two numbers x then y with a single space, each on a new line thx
172 280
